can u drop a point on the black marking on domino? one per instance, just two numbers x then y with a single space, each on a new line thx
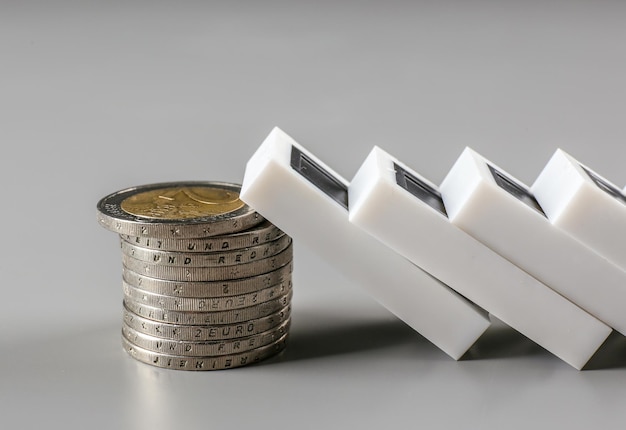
319 177
605 186
516 190
420 189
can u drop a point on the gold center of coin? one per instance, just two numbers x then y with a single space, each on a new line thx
182 203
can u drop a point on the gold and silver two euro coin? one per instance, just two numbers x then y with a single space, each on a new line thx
177 210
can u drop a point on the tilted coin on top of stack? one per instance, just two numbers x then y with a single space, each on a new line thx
206 280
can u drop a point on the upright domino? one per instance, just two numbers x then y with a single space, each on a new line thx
306 199
407 213
503 213
584 204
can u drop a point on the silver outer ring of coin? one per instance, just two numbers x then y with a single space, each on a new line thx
197 304
209 318
208 289
206 333
204 363
204 349
112 217
256 235
213 259
200 274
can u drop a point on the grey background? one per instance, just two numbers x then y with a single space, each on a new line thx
98 96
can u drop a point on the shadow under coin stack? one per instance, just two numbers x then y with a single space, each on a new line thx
207 281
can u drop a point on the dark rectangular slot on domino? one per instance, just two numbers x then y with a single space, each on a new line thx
516 190
319 177
419 189
605 186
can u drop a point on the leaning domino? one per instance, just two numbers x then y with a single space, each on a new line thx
406 212
583 203
503 213
307 200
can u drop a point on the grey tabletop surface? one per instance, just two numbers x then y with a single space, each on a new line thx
97 96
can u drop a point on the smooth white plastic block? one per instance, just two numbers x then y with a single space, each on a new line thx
309 201
500 211
584 204
407 213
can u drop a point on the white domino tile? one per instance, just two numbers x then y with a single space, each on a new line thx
586 205
309 201
406 212
500 211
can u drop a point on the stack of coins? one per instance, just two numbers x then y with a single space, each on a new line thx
206 280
